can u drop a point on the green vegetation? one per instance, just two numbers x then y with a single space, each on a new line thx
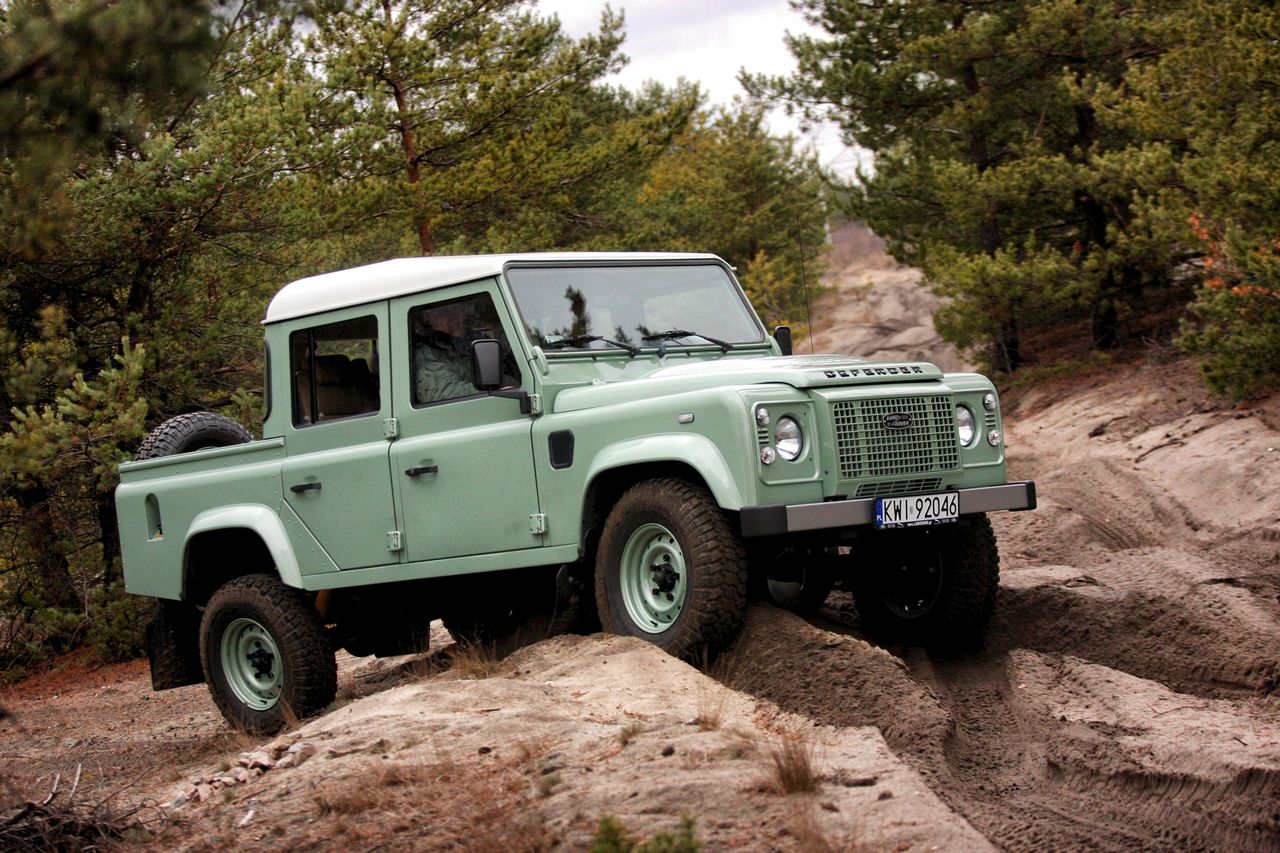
612 837
166 166
1067 165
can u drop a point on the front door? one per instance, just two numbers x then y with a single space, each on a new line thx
336 475
463 465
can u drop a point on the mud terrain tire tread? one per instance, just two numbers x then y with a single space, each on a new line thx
976 568
717 597
309 669
193 431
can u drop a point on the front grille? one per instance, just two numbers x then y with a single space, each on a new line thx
898 488
867 448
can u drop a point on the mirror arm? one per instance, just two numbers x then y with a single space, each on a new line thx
526 406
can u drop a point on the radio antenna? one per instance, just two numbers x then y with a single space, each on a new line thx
804 282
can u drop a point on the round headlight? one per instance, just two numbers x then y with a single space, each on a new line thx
762 416
788 438
989 401
964 425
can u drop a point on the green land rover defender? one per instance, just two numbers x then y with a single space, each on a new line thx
528 444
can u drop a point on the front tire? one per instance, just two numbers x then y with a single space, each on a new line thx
936 586
265 655
670 569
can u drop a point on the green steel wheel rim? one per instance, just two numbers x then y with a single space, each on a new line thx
653 578
252 665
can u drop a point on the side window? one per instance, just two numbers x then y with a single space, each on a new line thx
441 336
335 371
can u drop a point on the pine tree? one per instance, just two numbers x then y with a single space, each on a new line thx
995 170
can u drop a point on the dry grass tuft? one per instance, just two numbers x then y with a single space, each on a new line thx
529 751
791 766
630 732
455 803
812 838
472 660
711 700
291 721
548 783
368 791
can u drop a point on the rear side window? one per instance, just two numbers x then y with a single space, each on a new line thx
335 371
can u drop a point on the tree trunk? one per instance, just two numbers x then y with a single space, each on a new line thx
52 579
110 537
421 221
1006 341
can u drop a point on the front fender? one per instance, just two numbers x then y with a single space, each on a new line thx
261 520
696 451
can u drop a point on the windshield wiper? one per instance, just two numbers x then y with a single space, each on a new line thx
581 340
672 334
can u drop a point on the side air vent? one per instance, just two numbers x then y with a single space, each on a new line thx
560 445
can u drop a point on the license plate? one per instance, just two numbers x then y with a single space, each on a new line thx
917 510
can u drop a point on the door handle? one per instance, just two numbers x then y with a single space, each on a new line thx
425 469
304 487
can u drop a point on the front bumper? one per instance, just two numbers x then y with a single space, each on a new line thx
781 519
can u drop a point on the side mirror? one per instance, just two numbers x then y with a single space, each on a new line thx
486 373
486 364
782 334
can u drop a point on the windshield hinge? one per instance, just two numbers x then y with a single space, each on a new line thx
535 404
394 541
538 523
391 428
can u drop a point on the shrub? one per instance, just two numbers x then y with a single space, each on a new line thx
118 623
612 837
1237 313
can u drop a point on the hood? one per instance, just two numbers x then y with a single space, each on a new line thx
798 371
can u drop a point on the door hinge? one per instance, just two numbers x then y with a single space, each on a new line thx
538 523
391 428
394 541
535 404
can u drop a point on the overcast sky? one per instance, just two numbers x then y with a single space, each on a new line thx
706 41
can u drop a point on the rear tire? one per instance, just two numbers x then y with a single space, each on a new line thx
670 570
194 431
935 586
265 655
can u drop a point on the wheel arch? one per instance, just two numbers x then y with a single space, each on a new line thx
232 541
615 469
694 456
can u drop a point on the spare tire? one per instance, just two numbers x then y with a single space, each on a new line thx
194 431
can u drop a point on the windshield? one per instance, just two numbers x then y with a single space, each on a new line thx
600 308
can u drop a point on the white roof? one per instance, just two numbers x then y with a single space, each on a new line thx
403 276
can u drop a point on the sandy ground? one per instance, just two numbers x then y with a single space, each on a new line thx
1127 697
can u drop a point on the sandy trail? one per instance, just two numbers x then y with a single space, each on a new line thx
1128 695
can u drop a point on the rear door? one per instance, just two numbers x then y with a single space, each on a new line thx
336 476
463 465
